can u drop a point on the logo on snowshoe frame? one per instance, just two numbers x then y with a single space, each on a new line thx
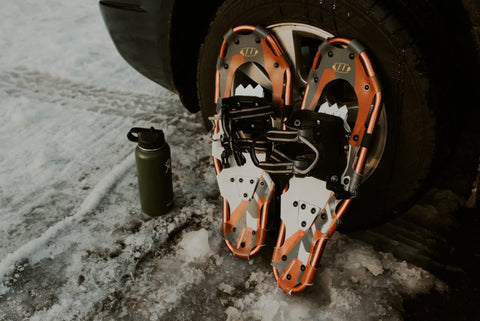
341 67
249 52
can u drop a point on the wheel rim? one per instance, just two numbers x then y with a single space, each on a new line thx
299 42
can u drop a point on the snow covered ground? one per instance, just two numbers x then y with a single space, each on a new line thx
74 244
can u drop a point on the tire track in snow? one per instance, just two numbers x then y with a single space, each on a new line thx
7 265
164 109
58 96
58 155
105 267
45 87
180 126
185 135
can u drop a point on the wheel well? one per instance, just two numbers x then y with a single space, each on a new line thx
187 34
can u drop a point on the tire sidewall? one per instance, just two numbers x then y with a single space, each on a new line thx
409 147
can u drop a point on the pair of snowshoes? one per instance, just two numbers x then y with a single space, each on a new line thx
310 155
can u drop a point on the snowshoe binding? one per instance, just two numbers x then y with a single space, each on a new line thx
325 158
245 111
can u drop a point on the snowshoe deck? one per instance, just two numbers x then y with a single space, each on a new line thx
318 147
313 203
246 189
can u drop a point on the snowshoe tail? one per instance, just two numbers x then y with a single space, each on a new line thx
243 114
314 202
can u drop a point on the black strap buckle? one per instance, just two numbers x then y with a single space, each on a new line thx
243 118
300 165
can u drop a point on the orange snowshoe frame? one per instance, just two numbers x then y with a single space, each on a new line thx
311 204
241 45
337 58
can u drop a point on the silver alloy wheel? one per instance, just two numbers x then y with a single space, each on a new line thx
295 39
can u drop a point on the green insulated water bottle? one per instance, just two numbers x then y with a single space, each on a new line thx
152 157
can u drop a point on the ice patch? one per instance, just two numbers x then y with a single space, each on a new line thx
194 245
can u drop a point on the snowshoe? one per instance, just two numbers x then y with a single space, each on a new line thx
325 158
245 111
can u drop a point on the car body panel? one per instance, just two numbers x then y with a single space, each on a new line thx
143 31
140 31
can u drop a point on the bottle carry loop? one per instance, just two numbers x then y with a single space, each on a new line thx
135 130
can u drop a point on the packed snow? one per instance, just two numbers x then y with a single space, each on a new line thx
74 244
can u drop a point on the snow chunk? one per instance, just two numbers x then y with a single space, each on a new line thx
368 261
194 245
233 314
226 288
412 279
269 307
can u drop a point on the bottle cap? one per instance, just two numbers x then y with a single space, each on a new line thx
147 138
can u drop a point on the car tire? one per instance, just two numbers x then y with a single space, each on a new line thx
414 117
